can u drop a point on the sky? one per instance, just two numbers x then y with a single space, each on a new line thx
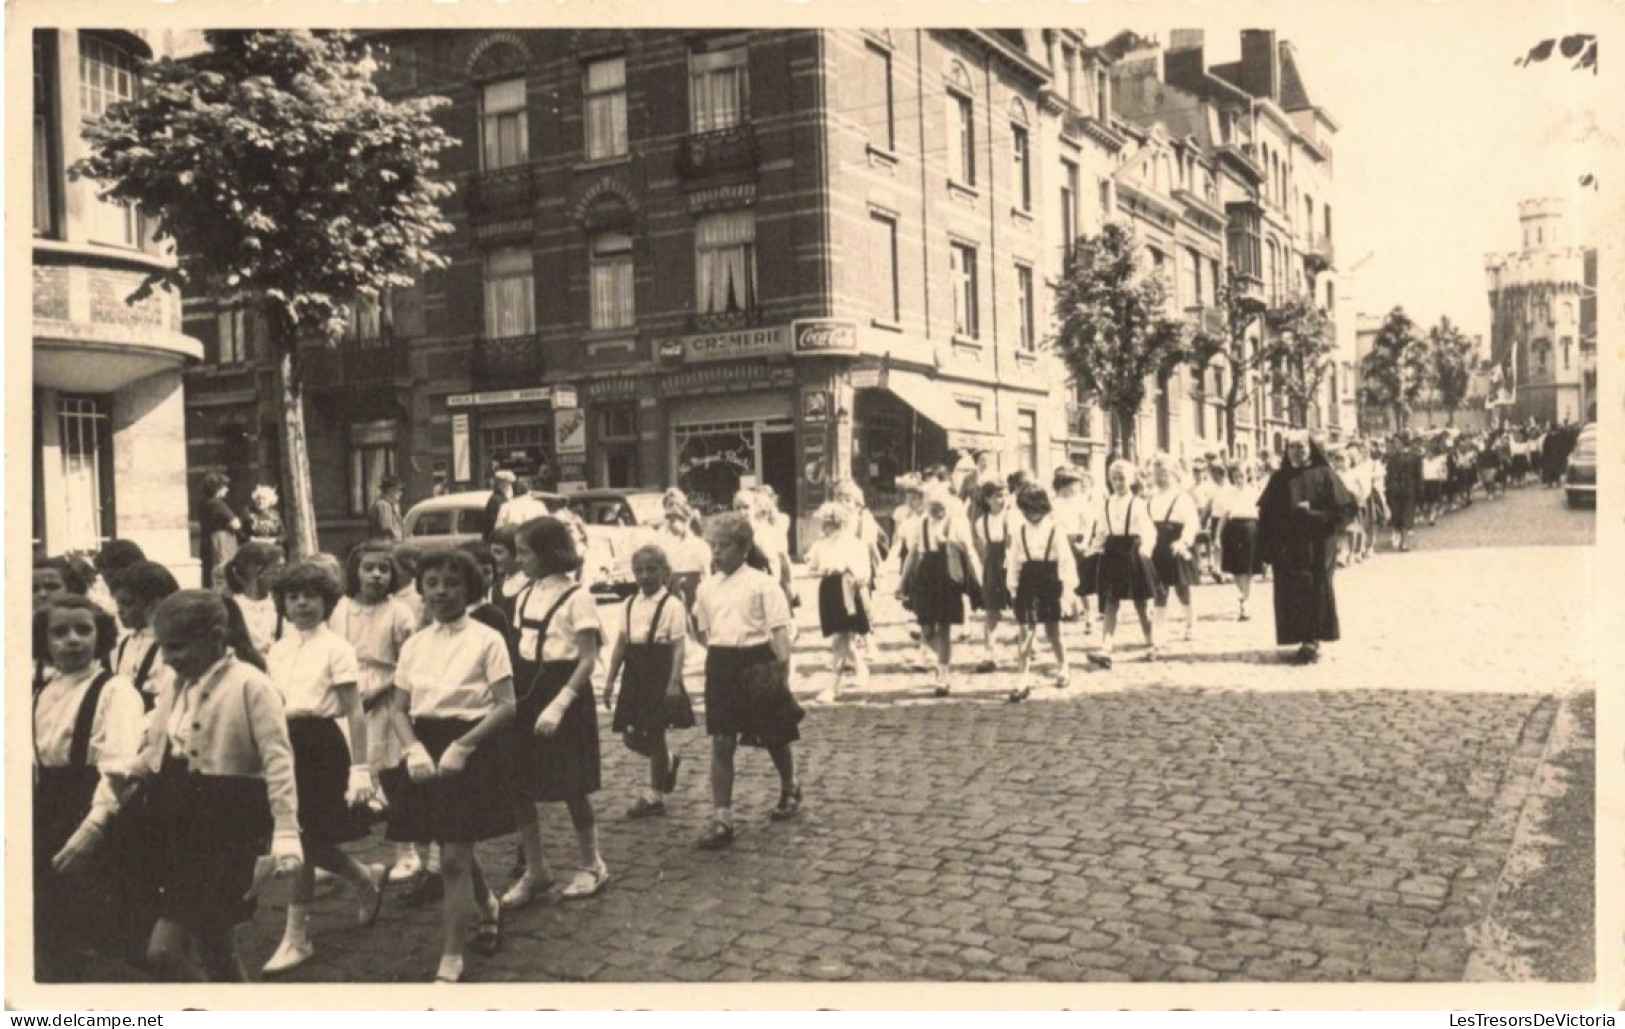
1440 135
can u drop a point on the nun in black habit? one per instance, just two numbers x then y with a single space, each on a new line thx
1303 509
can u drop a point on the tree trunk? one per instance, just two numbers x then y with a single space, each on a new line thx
1126 435
298 507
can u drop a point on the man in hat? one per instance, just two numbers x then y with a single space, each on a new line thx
501 492
384 521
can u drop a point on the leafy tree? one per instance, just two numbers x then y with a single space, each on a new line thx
1454 356
1299 352
285 180
1397 372
1242 356
1112 326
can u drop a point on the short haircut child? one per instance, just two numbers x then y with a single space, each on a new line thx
1066 476
454 560
1176 474
484 558
991 490
1131 471
1033 500
552 543
352 565
117 555
656 553
307 577
1017 479
247 564
733 527
148 582
72 581
106 626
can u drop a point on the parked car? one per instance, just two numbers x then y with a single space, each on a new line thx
623 507
456 518
1580 479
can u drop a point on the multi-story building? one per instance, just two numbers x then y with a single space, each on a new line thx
709 259
109 418
1543 306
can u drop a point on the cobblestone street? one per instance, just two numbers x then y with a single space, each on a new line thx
1215 816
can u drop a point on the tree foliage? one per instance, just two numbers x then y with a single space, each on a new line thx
1300 352
1454 355
1233 347
1113 329
1398 370
285 180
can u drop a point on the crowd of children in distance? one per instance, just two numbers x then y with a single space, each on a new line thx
223 740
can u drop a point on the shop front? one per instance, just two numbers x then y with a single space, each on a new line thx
518 430
905 421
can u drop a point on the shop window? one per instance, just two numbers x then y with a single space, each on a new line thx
878 100
719 89
962 138
510 293
504 132
1021 151
1027 440
725 262
85 439
613 305
106 77
372 459
618 442
606 108
883 268
963 266
1028 338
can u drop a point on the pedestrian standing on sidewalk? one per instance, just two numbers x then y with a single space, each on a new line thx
1236 508
942 567
1040 572
1126 538
1404 489
743 619
556 749
1174 514
315 670
1303 509
377 625
222 530
842 562
991 536
648 660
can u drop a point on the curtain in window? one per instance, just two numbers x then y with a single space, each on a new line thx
718 94
505 140
606 108
725 265
611 274
510 294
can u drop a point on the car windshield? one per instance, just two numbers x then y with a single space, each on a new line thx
648 508
433 523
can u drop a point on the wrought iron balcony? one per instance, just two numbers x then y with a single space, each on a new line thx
732 152
356 364
507 361
501 193
726 321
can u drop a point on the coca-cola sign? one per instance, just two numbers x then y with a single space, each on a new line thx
825 336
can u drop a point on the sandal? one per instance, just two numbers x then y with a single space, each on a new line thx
489 935
1101 659
646 809
941 690
985 667
1020 693
525 891
789 805
589 882
720 835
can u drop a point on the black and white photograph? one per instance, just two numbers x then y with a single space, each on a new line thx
1107 502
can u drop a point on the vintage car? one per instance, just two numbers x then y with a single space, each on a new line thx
1580 478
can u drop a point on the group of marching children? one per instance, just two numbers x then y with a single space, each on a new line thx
215 745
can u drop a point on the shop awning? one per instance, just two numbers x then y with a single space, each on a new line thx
936 404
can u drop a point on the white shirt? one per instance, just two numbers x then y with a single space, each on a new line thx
844 554
377 632
131 654
1434 468
1236 502
307 666
1172 506
260 617
1128 516
640 616
520 510
1045 541
687 555
1074 514
742 609
448 669
115 728
579 614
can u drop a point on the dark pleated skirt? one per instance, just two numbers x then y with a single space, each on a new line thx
1038 593
746 695
321 768
833 616
1172 570
566 764
465 808
1238 548
996 597
1402 510
1088 575
642 707
938 600
1125 573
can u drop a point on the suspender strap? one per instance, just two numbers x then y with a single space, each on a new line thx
654 623
79 750
146 666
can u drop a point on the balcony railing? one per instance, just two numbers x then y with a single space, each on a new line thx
503 192
507 361
1320 254
1207 319
732 152
726 321
1251 290
375 361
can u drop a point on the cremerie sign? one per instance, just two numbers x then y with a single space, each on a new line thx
730 346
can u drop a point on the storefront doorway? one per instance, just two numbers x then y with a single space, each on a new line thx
522 447
714 460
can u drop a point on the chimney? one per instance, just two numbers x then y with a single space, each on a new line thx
1260 64
1183 62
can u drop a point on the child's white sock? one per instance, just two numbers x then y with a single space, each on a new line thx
432 862
725 815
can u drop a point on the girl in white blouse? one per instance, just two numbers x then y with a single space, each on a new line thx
1125 539
453 703
1177 521
941 567
844 563
1041 571
315 670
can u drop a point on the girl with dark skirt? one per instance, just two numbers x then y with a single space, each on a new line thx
991 534
1039 572
648 661
85 716
1236 508
315 670
842 563
742 617
556 751
216 782
453 706
1126 538
940 569
1177 522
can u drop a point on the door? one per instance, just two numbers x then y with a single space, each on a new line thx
779 471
